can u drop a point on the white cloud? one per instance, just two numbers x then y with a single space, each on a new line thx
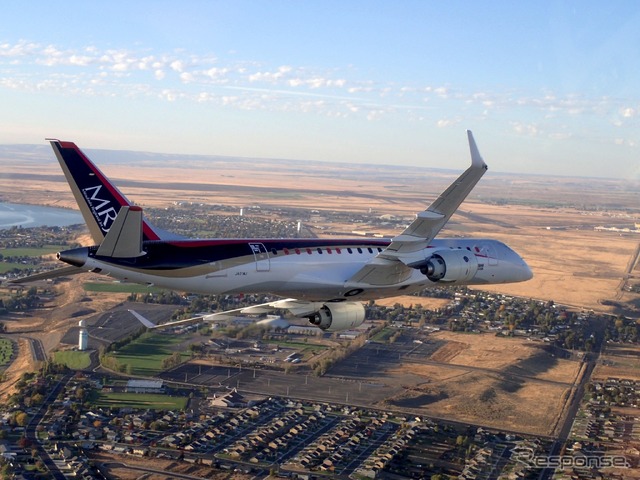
628 112
526 129
177 66
185 76
447 122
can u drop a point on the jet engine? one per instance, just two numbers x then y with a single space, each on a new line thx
334 317
450 266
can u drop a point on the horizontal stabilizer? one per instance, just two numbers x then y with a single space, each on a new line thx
60 272
124 239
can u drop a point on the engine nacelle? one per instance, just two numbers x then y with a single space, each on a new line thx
450 266
335 317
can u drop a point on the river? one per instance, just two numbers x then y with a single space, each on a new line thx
14 215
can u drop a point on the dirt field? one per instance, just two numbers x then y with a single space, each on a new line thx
125 467
619 361
408 300
500 382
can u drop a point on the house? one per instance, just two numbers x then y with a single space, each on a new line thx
230 399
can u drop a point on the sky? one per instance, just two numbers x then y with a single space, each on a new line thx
548 87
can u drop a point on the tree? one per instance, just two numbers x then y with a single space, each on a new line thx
24 442
21 419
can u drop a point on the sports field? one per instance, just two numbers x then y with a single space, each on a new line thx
140 400
74 360
146 354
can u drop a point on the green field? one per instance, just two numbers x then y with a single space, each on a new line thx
75 360
145 354
32 252
7 267
26 252
141 400
383 335
6 350
116 287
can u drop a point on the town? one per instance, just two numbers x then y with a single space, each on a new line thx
264 397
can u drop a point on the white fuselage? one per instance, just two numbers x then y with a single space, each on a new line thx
314 274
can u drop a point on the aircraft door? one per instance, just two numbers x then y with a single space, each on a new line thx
490 252
261 255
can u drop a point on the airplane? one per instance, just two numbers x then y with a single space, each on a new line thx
325 280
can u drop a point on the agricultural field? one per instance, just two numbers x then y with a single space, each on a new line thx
145 355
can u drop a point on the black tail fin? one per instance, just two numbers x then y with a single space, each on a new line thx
99 200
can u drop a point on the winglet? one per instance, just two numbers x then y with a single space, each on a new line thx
476 158
144 321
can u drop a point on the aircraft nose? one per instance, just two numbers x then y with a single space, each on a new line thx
524 272
76 256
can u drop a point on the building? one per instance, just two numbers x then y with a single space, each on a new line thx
145 386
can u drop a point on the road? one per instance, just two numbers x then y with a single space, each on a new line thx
31 429
571 410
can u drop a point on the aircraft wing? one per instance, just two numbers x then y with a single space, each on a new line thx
298 308
393 265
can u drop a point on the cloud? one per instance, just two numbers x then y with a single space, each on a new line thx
246 84
529 130
628 112
448 122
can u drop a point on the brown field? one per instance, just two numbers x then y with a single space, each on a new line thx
493 381
506 383
408 301
619 361
572 263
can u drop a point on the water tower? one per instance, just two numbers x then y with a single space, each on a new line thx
83 337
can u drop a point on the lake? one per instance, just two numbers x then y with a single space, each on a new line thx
14 215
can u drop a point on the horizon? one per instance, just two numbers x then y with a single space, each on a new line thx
102 158
550 90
